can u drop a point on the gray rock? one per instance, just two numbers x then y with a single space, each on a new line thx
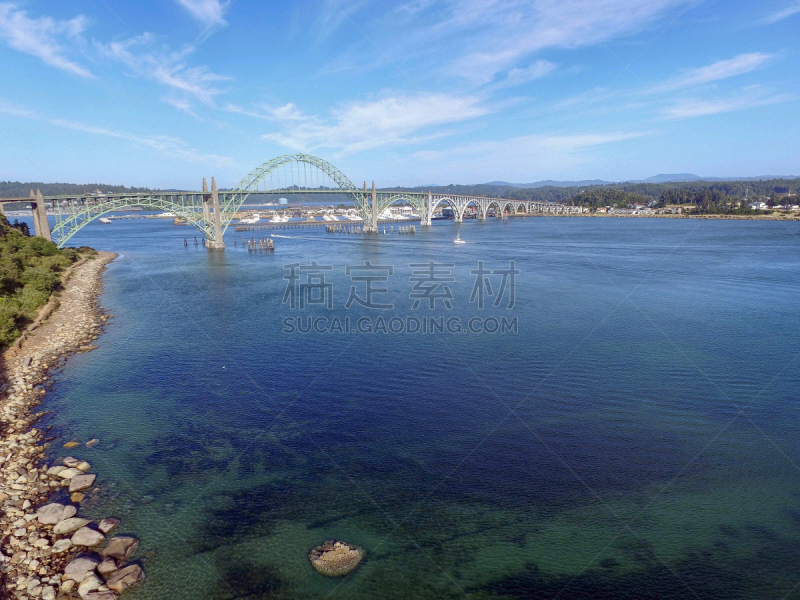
108 525
108 566
120 547
81 482
87 537
70 525
61 545
125 578
49 593
69 473
90 583
71 462
80 567
54 512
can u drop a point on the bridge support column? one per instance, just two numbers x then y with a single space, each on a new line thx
427 216
217 242
374 209
40 223
206 210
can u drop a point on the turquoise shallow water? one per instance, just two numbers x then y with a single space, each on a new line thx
636 438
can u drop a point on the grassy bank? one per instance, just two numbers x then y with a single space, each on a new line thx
31 270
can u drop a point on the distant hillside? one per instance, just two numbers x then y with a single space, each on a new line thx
661 178
551 182
14 189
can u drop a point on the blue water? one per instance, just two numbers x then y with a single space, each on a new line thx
637 437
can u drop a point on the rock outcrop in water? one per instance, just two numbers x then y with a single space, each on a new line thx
334 558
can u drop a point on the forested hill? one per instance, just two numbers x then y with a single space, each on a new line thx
30 270
671 193
15 189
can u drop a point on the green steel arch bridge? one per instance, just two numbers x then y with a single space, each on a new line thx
211 211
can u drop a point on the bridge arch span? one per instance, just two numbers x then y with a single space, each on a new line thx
72 223
250 184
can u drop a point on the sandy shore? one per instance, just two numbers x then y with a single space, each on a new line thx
47 550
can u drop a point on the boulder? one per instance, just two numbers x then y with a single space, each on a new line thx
108 525
72 444
334 558
108 566
61 545
77 497
69 473
54 512
89 584
120 547
71 462
87 537
81 482
70 525
55 470
79 568
49 593
92 442
125 578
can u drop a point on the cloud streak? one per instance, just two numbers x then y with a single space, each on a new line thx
208 12
170 146
186 84
43 38
781 15
398 120
750 97
723 69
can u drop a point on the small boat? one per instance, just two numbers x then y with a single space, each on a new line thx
105 221
458 240
254 218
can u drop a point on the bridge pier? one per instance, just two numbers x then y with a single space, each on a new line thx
212 226
217 243
40 224
427 218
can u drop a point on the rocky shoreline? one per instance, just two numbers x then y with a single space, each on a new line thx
47 550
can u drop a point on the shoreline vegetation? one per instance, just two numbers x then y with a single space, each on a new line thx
47 550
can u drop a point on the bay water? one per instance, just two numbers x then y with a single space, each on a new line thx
632 433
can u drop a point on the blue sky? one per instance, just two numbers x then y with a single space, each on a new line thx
164 92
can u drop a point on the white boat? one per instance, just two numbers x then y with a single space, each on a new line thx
251 219
105 220
458 240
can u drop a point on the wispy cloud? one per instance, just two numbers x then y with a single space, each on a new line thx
149 60
781 15
535 25
539 155
355 127
535 71
749 97
208 12
170 146
43 37
723 69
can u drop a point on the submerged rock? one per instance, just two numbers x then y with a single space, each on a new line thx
107 525
334 558
125 578
71 444
120 547
81 482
